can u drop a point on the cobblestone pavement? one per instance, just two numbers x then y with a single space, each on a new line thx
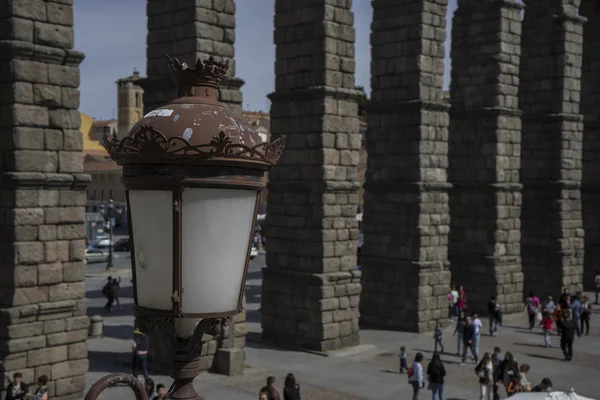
369 372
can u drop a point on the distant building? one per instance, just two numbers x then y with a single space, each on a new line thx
130 102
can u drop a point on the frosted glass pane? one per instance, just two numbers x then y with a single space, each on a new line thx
216 235
152 222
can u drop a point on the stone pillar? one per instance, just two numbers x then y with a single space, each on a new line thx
551 156
485 153
590 103
189 30
43 322
404 257
311 288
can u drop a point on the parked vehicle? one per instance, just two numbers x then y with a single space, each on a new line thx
101 241
253 252
94 255
122 245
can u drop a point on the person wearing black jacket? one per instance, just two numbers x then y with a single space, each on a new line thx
16 390
436 373
509 371
495 315
568 329
291 390
469 340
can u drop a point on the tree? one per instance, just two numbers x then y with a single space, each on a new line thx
363 102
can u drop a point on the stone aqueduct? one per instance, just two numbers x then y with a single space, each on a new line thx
493 191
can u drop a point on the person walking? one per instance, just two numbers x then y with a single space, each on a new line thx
576 312
497 362
116 289
568 329
532 305
548 306
291 390
455 300
469 341
557 317
586 314
461 304
459 331
437 337
547 327
478 329
403 360
139 348
565 299
415 375
509 371
435 374
450 304
109 291
495 317
485 372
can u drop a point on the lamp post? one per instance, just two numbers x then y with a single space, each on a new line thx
109 263
193 173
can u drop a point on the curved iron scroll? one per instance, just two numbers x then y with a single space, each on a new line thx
113 380
148 142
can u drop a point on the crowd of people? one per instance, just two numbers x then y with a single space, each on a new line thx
570 318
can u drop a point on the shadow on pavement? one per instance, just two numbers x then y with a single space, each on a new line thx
253 293
126 309
118 331
109 362
545 357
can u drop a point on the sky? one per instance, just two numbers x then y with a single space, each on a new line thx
112 34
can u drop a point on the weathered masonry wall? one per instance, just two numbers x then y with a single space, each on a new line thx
43 322
485 153
590 108
191 30
310 288
406 217
551 151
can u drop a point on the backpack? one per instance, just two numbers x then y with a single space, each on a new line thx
411 372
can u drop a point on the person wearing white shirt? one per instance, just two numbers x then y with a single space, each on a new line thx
478 328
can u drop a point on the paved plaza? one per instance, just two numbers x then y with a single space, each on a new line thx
368 371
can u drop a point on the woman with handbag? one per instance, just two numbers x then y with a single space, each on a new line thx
485 372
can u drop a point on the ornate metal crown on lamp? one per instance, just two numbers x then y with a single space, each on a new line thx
193 173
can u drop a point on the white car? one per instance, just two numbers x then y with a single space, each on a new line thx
253 252
93 255
100 242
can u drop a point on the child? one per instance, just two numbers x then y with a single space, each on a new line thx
403 357
547 326
437 336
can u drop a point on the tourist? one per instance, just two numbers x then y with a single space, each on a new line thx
437 337
436 373
455 300
41 392
485 372
469 340
524 384
263 395
532 304
509 371
273 394
149 386
478 328
544 386
547 327
450 304
291 390
415 375
495 315
497 363
116 289
565 299
548 306
16 390
586 313
460 330
161 392
403 360
576 312
140 347
568 329
108 291
557 316
461 304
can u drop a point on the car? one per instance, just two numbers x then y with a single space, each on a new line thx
101 241
253 252
94 255
122 245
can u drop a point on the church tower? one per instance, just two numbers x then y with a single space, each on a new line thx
130 102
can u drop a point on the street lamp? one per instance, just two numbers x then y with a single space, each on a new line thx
193 173
109 263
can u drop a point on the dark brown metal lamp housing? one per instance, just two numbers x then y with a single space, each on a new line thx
193 173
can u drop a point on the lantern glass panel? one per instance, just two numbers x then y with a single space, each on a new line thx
152 223
216 228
